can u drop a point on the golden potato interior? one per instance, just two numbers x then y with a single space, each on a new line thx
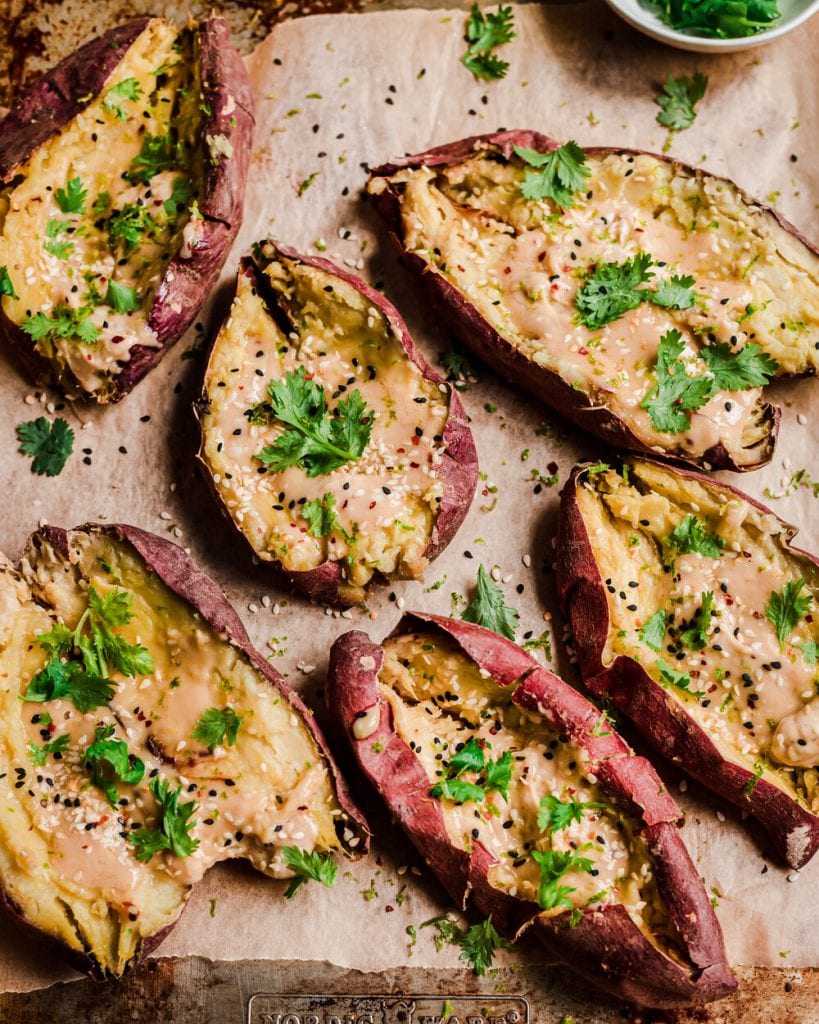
521 262
444 706
88 225
68 856
705 594
374 514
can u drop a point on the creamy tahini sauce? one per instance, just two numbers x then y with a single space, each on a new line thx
759 696
95 146
522 269
439 699
269 791
387 500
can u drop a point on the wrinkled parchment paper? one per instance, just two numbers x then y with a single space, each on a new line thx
334 93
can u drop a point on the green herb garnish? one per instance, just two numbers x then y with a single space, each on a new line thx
320 867
122 298
6 287
679 680
653 630
47 444
173 833
613 289
38 754
64 322
484 32
488 608
696 636
71 199
680 95
691 535
554 864
218 727
784 609
555 814
558 175
127 89
109 762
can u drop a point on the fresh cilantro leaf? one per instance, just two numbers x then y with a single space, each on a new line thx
598 468
66 680
738 371
109 761
613 289
459 367
158 153
38 754
678 98
320 867
680 680
653 630
218 727
485 31
57 641
71 199
64 322
676 393
554 864
808 651
54 228
784 609
499 774
540 643
127 89
130 226
691 535
122 298
479 943
555 814
182 192
174 831
48 444
674 293
696 636
470 758
459 791
6 287
488 608
558 175
320 515
317 441
101 204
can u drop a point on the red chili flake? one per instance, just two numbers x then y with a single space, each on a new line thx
553 287
462 269
583 351
507 270
567 268
415 465
371 505
117 338
541 256
416 440
388 909
304 807
401 451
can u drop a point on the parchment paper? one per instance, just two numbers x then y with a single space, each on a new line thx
334 93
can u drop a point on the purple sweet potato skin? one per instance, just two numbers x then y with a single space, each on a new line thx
458 470
185 579
60 95
793 830
605 947
479 335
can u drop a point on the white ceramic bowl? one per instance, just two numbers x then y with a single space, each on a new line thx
794 13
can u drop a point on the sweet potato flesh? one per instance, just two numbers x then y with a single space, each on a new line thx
520 262
754 693
441 701
384 504
65 860
89 224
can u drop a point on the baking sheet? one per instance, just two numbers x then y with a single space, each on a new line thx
334 94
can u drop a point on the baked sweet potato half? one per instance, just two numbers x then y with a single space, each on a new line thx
334 447
647 301
693 614
143 740
529 807
122 176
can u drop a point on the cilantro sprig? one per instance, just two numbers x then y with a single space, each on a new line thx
218 727
471 758
489 610
696 636
786 607
47 444
653 630
175 826
130 226
38 754
317 441
158 153
555 814
320 867
67 680
127 89
613 289
321 517
484 32
478 943
691 535
109 762
554 865
558 175
669 676
71 199
723 19
64 322
122 298
679 96
6 287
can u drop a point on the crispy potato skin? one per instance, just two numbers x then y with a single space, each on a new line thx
476 333
61 94
458 470
606 947
793 830
185 579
